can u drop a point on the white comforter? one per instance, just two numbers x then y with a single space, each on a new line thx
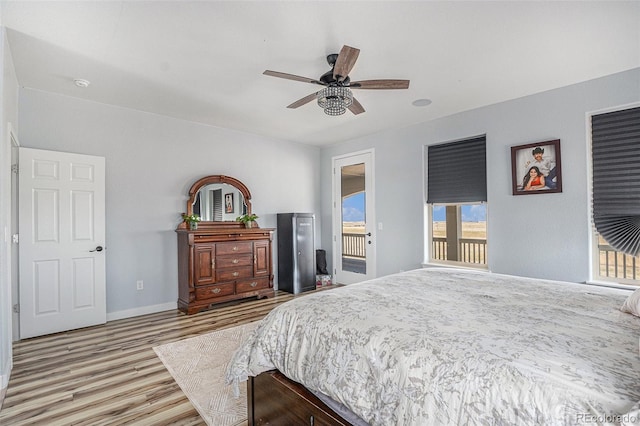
454 347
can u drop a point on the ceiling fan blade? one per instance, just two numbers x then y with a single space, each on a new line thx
380 84
292 77
345 62
356 107
303 101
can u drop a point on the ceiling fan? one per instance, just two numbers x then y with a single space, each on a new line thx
337 97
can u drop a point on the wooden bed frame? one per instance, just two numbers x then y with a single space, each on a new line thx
273 399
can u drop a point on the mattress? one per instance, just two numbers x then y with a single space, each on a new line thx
445 346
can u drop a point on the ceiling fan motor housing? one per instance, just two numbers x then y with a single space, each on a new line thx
328 79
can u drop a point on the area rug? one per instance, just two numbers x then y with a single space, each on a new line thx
198 365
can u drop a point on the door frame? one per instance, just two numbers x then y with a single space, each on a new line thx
367 157
15 266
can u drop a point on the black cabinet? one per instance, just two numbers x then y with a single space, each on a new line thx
296 252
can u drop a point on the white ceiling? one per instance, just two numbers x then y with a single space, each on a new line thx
203 61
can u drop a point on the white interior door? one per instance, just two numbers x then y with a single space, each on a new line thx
61 199
354 249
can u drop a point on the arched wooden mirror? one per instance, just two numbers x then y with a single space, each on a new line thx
218 200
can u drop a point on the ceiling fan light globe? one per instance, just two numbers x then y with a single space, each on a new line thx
335 100
335 107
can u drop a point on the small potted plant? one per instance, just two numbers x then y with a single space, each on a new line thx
247 219
191 220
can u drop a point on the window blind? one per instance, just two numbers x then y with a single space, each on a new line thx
217 204
616 178
457 172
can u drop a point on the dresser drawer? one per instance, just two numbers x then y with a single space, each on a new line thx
233 247
234 261
251 285
234 273
212 291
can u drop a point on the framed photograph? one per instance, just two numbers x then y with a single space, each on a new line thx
228 203
535 168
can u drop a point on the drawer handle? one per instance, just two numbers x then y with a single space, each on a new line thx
253 284
235 248
311 421
235 274
216 290
234 261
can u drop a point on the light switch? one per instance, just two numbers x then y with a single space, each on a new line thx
379 226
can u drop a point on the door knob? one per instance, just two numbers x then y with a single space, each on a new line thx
99 248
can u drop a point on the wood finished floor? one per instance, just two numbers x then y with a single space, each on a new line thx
109 374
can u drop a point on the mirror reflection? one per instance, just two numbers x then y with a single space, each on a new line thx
219 202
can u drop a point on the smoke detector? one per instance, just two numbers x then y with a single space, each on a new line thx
80 82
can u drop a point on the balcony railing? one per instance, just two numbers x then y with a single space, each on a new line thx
439 248
353 245
470 250
616 265
613 264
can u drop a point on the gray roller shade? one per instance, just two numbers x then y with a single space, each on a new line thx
616 178
457 172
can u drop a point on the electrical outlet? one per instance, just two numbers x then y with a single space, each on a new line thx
139 285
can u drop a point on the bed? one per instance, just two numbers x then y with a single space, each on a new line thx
441 346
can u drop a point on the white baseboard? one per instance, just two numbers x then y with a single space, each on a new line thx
4 378
3 392
112 316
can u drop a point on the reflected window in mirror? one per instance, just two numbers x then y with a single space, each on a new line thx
219 202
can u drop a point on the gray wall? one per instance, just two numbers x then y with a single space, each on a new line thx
151 161
544 235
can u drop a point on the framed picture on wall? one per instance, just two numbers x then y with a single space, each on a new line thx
536 168
228 203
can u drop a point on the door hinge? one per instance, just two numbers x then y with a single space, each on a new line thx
15 238
14 168
16 308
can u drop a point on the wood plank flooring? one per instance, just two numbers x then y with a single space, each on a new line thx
109 374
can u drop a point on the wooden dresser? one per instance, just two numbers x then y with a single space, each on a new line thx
223 264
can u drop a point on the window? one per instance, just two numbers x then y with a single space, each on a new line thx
614 265
459 233
457 195
615 152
